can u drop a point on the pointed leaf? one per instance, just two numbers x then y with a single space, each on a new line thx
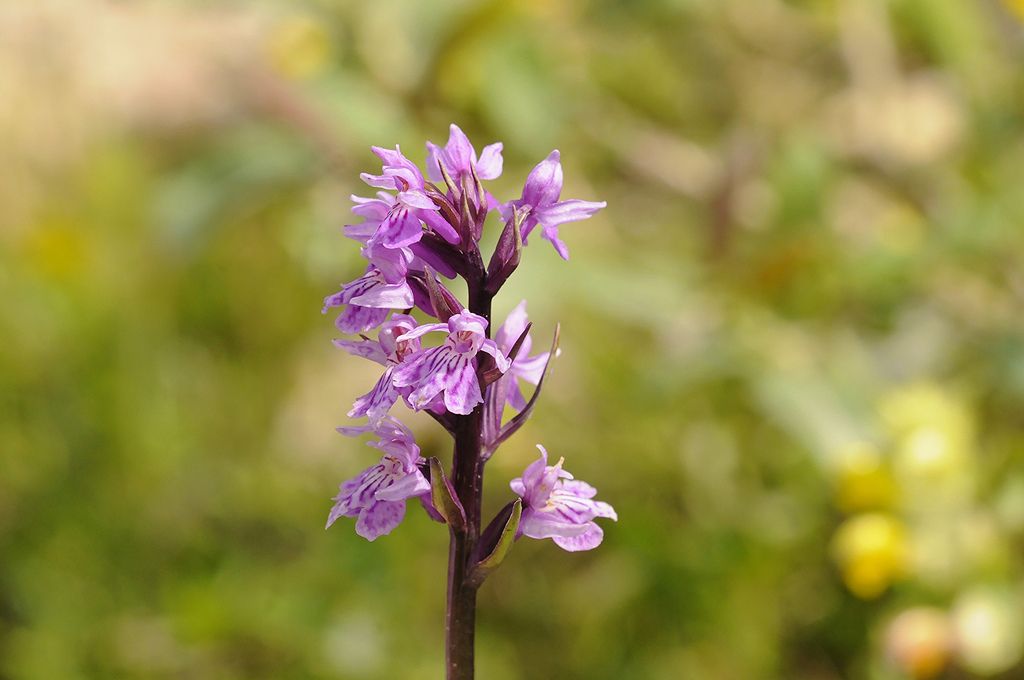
502 546
468 223
442 304
507 254
444 498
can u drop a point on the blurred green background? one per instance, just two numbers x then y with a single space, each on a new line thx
793 344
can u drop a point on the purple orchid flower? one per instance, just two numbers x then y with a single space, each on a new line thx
377 495
382 288
541 206
459 159
449 368
558 507
389 351
401 226
373 211
524 367
413 231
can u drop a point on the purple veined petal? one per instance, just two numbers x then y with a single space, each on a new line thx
422 330
545 525
343 502
416 199
400 228
462 388
415 368
379 519
367 349
568 211
440 225
432 376
419 367
350 290
358 319
529 369
544 183
333 300
490 347
376 403
588 540
489 165
427 391
413 484
386 296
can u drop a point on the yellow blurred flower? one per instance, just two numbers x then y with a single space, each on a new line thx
933 468
919 642
871 552
300 47
989 630
863 481
925 405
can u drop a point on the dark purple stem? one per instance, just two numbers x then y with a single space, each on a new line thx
467 480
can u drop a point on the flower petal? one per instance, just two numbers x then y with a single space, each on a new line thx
386 296
367 349
490 163
380 519
544 525
544 183
416 199
459 151
376 403
462 389
567 211
357 319
400 228
509 332
529 369
413 484
588 540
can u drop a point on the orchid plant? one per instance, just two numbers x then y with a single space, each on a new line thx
416 232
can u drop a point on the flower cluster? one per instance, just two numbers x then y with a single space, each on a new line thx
419 230
918 530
